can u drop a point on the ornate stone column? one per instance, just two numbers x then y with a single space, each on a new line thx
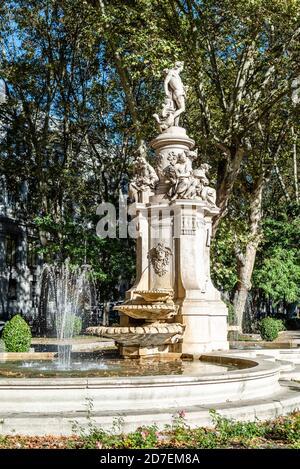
201 309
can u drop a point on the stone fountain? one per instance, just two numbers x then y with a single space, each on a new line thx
173 308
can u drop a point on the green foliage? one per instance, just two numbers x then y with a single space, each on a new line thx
277 271
17 335
279 274
74 324
285 428
95 437
69 168
270 327
110 259
226 433
143 438
223 264
229 428
231 318
100 77
77 328
281 325
284 432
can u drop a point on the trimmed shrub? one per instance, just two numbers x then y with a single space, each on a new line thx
17 335
281 325
270 328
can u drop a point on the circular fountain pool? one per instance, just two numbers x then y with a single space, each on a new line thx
41 399
108 365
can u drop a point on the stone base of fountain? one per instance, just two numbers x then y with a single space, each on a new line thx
160 352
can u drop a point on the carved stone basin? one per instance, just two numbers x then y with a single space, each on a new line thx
155 295
148 311
143 336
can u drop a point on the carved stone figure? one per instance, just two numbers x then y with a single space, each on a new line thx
173 232
175 90
183 172
159 257
174 104
203 190
144 180
186 183
180 175
166 118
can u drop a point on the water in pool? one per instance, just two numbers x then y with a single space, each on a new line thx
106 365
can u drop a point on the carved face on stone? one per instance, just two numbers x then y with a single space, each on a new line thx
160 252
179 66
160 257
182 158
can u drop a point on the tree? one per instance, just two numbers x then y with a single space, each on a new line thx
241 61
61 132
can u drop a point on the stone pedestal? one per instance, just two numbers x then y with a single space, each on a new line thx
184 227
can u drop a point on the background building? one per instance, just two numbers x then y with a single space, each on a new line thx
19 266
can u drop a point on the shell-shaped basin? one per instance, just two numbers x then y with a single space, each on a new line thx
154 334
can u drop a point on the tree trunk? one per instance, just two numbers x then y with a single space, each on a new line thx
243 286
294 137
246 261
